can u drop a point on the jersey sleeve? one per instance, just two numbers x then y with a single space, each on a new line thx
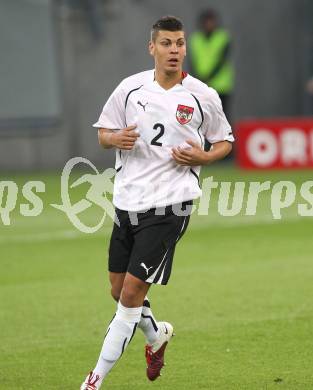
216 126
113 112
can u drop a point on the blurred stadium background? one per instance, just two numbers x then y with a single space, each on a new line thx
61 60
247 309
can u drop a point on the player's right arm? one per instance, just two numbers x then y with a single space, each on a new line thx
122 139
112 132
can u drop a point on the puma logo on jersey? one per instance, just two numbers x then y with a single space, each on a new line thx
142 105
145 267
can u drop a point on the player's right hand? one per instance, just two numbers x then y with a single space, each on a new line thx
125 138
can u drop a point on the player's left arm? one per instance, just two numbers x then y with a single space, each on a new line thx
195 155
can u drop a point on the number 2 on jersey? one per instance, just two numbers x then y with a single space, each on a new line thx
158 136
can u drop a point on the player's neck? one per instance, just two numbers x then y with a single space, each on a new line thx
167 81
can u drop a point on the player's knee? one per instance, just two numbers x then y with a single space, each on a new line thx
131 295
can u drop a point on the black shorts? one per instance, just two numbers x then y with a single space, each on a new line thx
146 249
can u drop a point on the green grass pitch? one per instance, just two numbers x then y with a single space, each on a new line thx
240 299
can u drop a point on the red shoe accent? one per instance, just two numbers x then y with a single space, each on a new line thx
155 361
92 381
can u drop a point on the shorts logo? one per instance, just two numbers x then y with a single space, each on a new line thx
145 267
184 114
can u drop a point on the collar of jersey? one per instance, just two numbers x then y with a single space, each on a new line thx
157 87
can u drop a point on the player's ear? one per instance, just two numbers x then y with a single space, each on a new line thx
151 48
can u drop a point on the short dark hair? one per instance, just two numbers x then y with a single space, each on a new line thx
167 23
207 14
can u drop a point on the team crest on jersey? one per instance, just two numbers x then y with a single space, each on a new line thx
184 114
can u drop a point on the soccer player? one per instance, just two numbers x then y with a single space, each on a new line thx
157 121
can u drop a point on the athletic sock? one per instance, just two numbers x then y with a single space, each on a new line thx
148 324
119 334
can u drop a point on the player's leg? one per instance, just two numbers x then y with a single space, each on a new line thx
120 248
116 280
151 261
147 323
120 331
158 333
121 245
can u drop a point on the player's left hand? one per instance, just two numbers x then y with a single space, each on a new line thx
192 156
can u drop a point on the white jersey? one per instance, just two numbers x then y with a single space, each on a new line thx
147 176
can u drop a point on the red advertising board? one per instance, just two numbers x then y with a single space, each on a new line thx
275 143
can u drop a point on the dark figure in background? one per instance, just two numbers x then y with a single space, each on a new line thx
209 50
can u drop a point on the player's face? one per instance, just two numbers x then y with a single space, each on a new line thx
168 50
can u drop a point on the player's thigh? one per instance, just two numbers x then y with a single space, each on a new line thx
154 247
